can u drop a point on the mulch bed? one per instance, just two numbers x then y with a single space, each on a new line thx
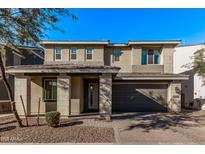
68 132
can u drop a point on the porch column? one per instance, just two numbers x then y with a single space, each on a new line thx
22 88
174 97
105 106
63 94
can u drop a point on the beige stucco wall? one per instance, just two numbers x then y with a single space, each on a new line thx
98 54
49 54
37 93
148 68
77 95
136 53
167 58
70 91
136 61
130 59
125 59
22 88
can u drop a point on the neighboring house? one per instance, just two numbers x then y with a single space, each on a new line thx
30 55
99 76
193 91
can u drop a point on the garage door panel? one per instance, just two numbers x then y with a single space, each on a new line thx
139 98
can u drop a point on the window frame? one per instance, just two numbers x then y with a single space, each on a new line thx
86 49
153 56
44 90
58 53
157 55
72 53
114 56
150 55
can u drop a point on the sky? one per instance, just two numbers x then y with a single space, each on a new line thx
121 25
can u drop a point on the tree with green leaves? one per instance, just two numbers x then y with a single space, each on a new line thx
198 63
25 27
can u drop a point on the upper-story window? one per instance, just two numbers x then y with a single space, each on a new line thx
73 53
89 53
144 56
156 56
58 53
116 54
150 56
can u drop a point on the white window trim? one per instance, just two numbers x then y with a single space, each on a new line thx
45 90
87 54
71 54
55 54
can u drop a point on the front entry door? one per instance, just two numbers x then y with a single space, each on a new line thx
93 96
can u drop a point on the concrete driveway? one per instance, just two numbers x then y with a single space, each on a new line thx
160 128
155 128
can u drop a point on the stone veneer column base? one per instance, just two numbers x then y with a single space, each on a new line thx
174 97
105 104
63 94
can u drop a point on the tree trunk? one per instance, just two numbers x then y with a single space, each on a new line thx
10 95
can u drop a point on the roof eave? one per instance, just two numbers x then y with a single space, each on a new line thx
146 42
52 42
153 78
63 70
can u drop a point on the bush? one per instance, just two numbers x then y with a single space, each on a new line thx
53 118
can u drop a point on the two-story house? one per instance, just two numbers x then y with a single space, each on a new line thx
28 55
99 76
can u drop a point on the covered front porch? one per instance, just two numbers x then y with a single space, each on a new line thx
71 91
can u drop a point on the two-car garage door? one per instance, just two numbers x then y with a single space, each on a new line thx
139 97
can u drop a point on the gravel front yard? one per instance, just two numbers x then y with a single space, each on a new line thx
125 128
68 132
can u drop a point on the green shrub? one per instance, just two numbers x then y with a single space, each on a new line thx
53 118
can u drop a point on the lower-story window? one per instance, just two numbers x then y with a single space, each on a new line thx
50 89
